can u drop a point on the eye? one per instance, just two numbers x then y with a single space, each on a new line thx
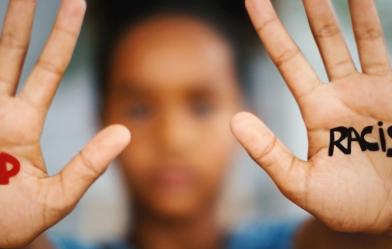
202 108
139 111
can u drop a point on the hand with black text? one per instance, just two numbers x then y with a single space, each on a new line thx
30 200
348 192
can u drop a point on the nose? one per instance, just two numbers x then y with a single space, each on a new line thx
176 133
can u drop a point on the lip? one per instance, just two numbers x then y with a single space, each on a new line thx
173 178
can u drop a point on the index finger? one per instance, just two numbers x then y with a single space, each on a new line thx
285 54
42 84
14 42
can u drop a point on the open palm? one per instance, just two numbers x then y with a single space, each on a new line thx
348 192
30 200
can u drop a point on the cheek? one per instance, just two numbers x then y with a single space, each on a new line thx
217 157
217 152
139 153
137 160
219 140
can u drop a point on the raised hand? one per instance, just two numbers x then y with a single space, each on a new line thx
349 192
30 200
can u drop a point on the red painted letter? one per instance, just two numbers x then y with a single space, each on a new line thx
6 173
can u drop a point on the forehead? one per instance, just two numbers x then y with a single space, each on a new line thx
172 49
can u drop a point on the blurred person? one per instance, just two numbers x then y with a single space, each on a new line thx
172 80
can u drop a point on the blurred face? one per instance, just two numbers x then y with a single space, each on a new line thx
172 83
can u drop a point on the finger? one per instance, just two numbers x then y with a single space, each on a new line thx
287 171
326 30
298 74
42 84
91 162
373 52
14 42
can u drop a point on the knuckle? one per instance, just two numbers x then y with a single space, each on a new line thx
369 34
50 67
56 207
68 202
63 31
377 68
304 95
285 56
10 39
327 30
90 170
260 155
52 205
261 27
344 63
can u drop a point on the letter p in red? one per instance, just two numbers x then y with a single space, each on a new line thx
7 172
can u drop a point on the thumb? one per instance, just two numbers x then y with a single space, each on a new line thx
287 171
91 162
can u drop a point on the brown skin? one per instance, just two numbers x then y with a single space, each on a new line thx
173 83
348 193
168 156
35 201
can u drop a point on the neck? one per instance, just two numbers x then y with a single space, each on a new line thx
154 232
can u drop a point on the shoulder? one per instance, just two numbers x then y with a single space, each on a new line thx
269 235
59 242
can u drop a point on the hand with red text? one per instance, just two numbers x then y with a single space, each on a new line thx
349 192
30 200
